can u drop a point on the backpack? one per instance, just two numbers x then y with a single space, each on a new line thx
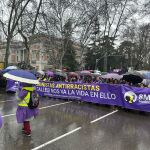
34 100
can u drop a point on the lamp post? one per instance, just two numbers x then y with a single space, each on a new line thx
96 64
131 63
105 62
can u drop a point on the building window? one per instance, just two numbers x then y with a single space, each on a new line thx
18 58
34 55
13 58
37 56
3 57
22 55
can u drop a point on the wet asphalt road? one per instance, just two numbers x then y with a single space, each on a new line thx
67 126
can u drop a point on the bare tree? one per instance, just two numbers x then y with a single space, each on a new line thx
55 15
106 18
15 11
143 49
139 37
28 26
115 15
146 8
85 30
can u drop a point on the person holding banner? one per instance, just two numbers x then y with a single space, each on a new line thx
24 114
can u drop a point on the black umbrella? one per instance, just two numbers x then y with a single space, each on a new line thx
133 77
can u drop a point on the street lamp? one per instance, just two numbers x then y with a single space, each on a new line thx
131 63
96 64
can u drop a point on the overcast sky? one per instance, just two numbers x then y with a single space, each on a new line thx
140 19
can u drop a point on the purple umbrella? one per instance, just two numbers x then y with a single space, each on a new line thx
22 76
85 72
112 76
50 73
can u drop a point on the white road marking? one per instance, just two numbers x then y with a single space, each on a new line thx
6 101
40 108
68 133
8 115
56 139
55 105
100 118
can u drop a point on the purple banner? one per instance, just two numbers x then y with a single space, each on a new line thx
119 95
95 93
12 86
136 98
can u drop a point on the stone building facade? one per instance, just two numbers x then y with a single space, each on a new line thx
17 53
44 52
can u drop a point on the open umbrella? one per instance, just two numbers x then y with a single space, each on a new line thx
50 73
73 74
41 72
21 76
58 70
85 72
112 76
103 73
9 68
96 74
146 75
133 77
61 74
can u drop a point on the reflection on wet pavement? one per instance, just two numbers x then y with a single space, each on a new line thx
120 131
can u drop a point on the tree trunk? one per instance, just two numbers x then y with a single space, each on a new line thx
81 57
27 56
7 51
61 61
27 52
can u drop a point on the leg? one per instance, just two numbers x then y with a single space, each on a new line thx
27 129
23 127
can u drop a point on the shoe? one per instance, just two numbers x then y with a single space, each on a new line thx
27 134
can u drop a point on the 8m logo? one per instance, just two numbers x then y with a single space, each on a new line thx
144 98
130 97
